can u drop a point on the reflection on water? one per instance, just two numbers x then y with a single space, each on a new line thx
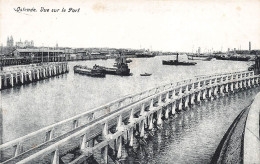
193 135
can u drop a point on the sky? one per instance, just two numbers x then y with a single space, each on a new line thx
164 25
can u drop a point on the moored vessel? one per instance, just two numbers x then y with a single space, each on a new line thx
177 62
88 71
121 68
145 74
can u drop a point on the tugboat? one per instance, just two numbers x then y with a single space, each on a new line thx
121 68
88 71
177 62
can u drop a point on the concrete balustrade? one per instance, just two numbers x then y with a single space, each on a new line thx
27 74
138 109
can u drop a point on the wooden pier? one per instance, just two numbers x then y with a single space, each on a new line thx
105 130
22 74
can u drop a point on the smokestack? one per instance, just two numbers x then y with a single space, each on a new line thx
249 46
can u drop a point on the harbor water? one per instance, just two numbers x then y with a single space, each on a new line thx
191 136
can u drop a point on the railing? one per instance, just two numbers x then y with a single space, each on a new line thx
53 131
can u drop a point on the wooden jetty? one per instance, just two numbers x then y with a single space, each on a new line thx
19 75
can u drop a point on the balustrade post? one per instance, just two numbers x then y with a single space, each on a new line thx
142 109
180 104
226 88
231 87
44 72
55 70
151 107
167 112
131 134
83 142
167 99
38 72
241 84
30 75
18 149
187 88
173 94
245 83
198 96
105 131
159 117
131 117
192 98
160 103
21 77
119 145
210 92
253 81
248 83
12 79
55 159
186 103
141 128
49 71
204 94
119 122
150 122
173 107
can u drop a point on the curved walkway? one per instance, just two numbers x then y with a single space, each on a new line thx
240 143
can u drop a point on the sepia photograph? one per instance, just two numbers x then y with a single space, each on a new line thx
129 82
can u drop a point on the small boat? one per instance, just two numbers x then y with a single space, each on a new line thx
145 74
88 71
128 60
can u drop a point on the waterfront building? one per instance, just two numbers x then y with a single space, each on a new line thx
40 54
25 44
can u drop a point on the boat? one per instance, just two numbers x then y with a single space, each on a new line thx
200 57
145 74
177 62
145 54
233 57
121 68
208 58
128 60
88 71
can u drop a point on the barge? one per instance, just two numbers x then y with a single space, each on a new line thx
88 71
120 68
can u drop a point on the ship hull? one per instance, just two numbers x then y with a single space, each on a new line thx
233 58
170 62
88 72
